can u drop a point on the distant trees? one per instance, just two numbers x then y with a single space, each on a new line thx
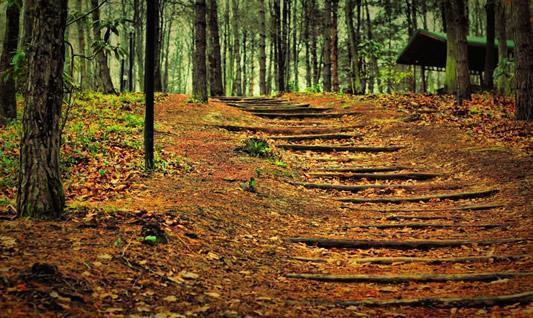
215 59
524 59
8 101
40 191
103 78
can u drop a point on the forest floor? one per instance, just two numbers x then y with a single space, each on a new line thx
230 219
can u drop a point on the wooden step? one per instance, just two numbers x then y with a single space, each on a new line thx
375 176
368 169
335 148
315 136
306 115
289 130
396 244
447 196
288 110
445 302
417 278
362 187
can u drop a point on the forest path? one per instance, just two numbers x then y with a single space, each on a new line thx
418 223
374 203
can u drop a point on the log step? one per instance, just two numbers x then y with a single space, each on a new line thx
357 188
306 115
418 278
358 169
421 226
314 136
413 244
447 196
289 130
334 148
482 207
287 110
466 259
269 106
445 302
376 176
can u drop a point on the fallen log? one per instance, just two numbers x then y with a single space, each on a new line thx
412 244
447 196
446 302
333 148
466 259
422 225
376 176
419 278
364 169
314 136
306 115
357 188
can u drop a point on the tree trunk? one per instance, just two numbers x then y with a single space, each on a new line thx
139 40
451 63
82 46
315 63
8 100
215 68
237 82
490 56
104 74
279 43
262 48
326 49
353 42
158 84
334 45
200 45
461 51
244 62
40 191
503 81
524 59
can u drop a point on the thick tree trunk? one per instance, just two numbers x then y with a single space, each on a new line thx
40 191
262 48
524 59
490 56
200 46
279 44
326 49
105 84
353 42
461 51
215 60
334 46
8 100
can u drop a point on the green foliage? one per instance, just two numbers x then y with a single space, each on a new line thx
505 69
257 148
315 89
250 186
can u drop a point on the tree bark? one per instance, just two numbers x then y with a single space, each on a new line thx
262 48
326 73
104 74
524 59
334 46
40 191
158 84
502 82
237 81
200 45
139 40
353 42
82 46
490 56
215 60
8 100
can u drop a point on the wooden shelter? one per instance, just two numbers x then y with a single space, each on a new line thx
428 49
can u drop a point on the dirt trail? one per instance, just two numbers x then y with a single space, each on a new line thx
239 253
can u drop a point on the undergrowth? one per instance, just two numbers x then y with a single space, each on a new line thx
102 149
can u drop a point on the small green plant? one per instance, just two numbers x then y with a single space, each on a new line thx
250 186
257 148
314 89
280 163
